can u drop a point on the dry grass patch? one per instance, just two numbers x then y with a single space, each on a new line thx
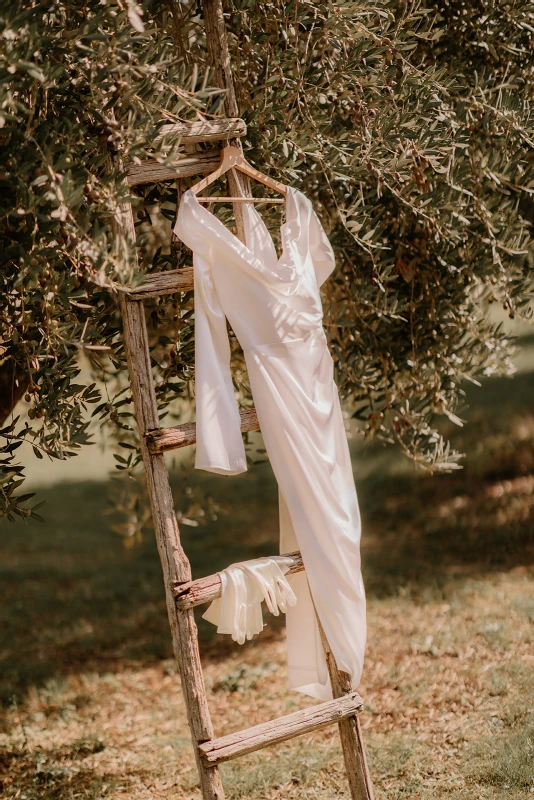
448 714
93 707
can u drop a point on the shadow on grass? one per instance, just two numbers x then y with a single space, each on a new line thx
58 774
76 599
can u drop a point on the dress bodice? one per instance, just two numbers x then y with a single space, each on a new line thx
267 299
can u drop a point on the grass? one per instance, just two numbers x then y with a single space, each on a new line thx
513 760
92 702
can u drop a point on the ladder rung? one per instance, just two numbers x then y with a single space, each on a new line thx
159 283
278 730
204 131
204 590
151 172
163 439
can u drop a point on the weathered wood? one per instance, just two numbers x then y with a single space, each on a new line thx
219 57
176 568
204 590
350 732
152 172
211 130
175 565
279 730
160 283
164 439
174 562
218 53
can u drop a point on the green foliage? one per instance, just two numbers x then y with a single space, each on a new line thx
78 81
409 125
413 132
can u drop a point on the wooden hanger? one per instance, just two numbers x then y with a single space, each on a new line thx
232 158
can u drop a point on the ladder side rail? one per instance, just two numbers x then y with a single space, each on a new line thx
219 56
174 562
350 732
173 559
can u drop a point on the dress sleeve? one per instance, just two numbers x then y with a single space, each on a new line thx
219 442
218 425
320 249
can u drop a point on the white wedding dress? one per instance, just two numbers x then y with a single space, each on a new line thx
274 307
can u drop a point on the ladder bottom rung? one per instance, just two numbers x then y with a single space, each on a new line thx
163 439
278 730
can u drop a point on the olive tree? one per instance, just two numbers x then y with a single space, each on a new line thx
410 126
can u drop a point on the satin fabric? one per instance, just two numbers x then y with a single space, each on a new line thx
244 586
274 307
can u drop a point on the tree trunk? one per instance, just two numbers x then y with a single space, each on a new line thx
13 383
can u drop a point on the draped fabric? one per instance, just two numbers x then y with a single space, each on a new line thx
244 586
274 307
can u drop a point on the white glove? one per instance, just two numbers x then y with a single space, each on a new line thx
269 576
230 612
244 586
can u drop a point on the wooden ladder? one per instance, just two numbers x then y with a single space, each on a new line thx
182 593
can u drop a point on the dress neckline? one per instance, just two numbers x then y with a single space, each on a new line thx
289 207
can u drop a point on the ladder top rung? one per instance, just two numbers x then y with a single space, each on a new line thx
188 164
204 590
209 130
163 439
278 730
